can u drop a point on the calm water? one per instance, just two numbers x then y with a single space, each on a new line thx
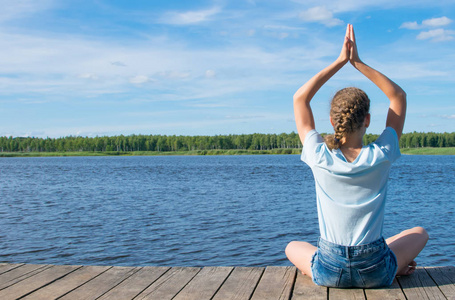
195 210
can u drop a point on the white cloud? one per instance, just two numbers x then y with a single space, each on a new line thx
209 105
284 27
189 17
174 75
276 35
210 74
434 22
448 117
338 6
437 35
118 64
283 35
139 79
437 22
410 25
320 14
88 76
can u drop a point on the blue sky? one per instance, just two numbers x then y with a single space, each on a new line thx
102 67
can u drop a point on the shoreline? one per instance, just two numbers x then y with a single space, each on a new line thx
154 153
279 151
428 151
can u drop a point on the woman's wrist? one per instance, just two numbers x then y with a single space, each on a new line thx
341 61
356 63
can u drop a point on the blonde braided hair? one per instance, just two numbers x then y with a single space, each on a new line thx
348 110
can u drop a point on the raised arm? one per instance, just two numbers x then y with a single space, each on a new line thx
396 95
302 110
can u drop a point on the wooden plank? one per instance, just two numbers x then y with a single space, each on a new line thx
305 288
205 284
392 292
420 286
14 276
444 278
276 283
136 283
36 281
8 267
101 284
346 294
68 283
240 284
168 285
90 282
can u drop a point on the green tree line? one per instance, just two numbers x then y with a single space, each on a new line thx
166 143
150 143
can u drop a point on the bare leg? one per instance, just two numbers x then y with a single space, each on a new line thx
406 246
300 254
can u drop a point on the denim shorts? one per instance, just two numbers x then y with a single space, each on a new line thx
365 266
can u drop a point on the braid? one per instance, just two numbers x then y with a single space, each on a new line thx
348 110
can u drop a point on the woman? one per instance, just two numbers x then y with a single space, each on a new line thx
351 184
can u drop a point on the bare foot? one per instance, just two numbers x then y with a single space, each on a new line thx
408 270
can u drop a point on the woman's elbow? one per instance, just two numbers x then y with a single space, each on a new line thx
297 97
401 95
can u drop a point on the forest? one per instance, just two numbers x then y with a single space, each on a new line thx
164 143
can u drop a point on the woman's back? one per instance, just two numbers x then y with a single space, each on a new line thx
351 195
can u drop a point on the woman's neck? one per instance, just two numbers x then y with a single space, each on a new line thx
351 145
352 141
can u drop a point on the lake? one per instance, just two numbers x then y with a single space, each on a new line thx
196 210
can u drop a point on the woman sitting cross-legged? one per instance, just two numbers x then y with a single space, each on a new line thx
351 184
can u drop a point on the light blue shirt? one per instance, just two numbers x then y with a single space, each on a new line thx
351 195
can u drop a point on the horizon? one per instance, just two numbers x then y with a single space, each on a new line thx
404 134
205 68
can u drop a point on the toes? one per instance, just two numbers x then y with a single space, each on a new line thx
410 271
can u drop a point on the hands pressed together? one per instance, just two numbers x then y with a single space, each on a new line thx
303 113
349 50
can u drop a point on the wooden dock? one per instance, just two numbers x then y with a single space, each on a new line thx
30 281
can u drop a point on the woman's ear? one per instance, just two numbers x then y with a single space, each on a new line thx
331 121
367 120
